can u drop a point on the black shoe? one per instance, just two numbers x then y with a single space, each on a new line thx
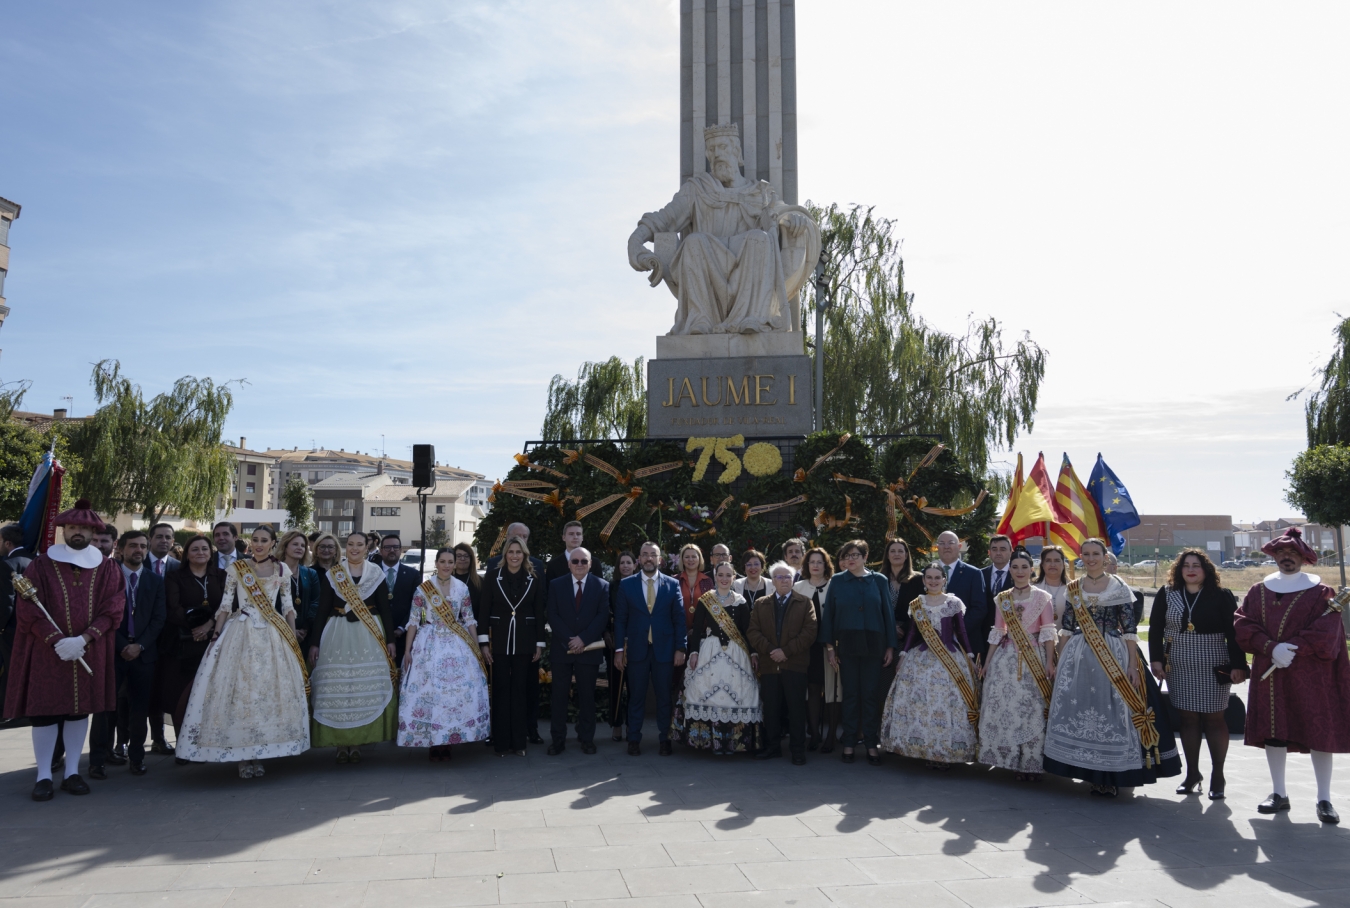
138 769
42 791
1326 813
98 772
1273 804
75 785
533 737
555 749
115 759
634 749
588 748
874 759
848 756
769 753
179 761
1190 786
665 749
799 759
162 748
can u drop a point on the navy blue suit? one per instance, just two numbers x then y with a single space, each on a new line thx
586 619
146 616
649 663
967 584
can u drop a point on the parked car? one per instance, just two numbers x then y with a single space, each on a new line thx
1248 562
413 559
1231 564
1149 563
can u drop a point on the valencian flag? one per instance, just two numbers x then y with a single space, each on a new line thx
1005 525
1118 510
1080 517
1035 505
42 506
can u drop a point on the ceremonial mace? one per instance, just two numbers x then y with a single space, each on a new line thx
1335 605
24 587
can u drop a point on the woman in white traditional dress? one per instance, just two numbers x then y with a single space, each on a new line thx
248 699
444 699
1101 686
719 708
354 672
1019 675
932 710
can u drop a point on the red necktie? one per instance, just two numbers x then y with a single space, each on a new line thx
579 588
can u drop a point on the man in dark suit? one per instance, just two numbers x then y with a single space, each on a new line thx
161 564
782 628
402 581
578 612
573 536
996 580
650 640
967 584
136 649
531 681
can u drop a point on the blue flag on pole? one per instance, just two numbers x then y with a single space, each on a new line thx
1117 508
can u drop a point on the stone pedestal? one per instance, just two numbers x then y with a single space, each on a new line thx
728 394
713 346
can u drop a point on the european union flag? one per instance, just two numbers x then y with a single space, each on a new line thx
1117 508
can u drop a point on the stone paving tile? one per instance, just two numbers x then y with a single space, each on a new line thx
478 863
1033 862
611 857
545 887
926 894
431 893
198 898
372 867
936 842
774 898
595 816
63 901
549 837
1020 892
915 868
680 880
654 901
435 842
759 828
323 895
524 819
730 851
1131 856
817 848
806 874
662 833
244 873
111 879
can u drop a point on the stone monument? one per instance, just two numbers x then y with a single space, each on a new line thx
732 246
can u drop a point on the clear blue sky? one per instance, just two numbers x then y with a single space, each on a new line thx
404 218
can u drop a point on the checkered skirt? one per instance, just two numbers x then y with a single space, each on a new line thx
1191 658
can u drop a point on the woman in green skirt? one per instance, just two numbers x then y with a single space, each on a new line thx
354 676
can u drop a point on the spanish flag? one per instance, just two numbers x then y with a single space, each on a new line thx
1035 505
1080 518
1005 525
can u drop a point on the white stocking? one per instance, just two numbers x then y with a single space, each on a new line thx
1275 759
74 738
1321 761
44 746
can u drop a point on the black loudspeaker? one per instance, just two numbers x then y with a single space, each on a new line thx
424 460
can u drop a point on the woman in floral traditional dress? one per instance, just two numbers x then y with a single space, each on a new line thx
719 708
444 699
1013 709
927 714
248 699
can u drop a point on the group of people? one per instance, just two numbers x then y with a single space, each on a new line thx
1019 665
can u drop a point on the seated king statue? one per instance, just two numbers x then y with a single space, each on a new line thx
741 255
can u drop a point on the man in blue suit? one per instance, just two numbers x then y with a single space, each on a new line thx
578 613
137 652
650 639
967 584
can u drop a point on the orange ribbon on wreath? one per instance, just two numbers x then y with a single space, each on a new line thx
826 521
628 498
524 461
800 474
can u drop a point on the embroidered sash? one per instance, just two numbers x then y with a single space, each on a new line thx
252 587
933 640
443 608
724 621
1026 650
1135 697
342 582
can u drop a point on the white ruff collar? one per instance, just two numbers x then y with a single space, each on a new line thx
372 575
87 557
1291 583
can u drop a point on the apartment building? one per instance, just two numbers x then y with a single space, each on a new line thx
9 213
346 503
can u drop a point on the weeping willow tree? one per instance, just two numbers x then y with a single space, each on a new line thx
889 372
607 400
1327 410
150 456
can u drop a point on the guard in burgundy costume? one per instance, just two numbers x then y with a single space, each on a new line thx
82 590
1290 622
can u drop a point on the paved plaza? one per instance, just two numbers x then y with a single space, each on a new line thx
687 831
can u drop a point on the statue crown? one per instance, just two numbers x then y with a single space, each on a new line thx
723 129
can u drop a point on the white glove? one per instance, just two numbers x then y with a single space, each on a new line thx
70 648
1283 654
